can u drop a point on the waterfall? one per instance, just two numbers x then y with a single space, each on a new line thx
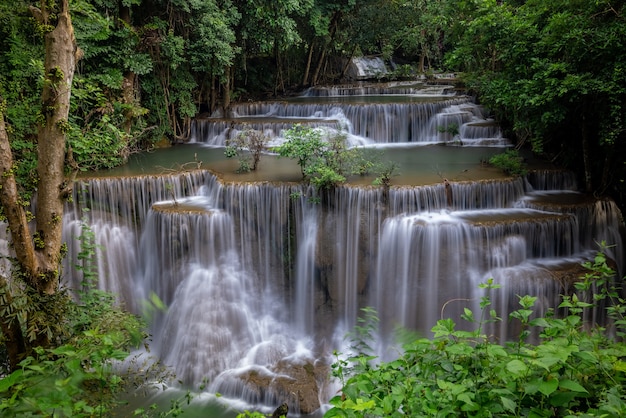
305 274
382 123
261 281
390 88
368 67
434 259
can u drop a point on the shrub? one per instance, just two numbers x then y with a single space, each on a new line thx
510 162
247 147
326 162
575 369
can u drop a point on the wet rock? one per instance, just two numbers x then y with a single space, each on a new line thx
297 385
281 411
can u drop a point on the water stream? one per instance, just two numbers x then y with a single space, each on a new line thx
262 283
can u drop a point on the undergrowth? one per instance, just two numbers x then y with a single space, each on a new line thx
80 375
574 369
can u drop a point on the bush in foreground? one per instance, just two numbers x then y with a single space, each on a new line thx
575 369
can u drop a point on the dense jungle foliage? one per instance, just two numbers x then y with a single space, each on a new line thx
552 72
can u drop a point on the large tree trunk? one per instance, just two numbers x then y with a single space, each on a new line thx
38 253
13 210
23 246
59 68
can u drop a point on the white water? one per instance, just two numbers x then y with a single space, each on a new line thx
255 279
260 286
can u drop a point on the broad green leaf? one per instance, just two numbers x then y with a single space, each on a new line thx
547 387
508 404
517 367
10 380
572 385
496 350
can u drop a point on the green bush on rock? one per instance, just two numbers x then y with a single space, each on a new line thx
511 162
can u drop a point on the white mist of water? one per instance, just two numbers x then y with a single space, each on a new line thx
306 236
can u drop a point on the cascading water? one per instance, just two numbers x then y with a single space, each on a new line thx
261 283
393 115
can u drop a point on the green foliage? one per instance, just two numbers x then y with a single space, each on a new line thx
575 368
303 144
103 146
451 129
511 162
553 73
325 162
248 414
384 172
247 147
77 377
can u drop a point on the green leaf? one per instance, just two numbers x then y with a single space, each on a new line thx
517 367
572 385
619 366
10 380
360 405
508 404
496 350
35 367
547 387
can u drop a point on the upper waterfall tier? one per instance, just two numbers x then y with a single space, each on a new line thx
368 115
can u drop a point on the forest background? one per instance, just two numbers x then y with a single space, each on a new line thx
552 72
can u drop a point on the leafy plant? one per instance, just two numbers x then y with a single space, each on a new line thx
385 171
77 377
451 129
325 162
305 145
575 368
511 162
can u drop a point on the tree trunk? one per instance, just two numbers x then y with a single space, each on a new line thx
307 69
38 259
348 62
279 84
226 95
59 68
318 69
13 210
586 157
213 95
23 247
333 29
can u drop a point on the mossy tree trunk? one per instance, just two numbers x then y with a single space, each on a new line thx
38 253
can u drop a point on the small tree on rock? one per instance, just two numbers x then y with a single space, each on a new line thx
247 147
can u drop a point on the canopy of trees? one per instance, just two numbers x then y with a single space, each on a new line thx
554 71
551 71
